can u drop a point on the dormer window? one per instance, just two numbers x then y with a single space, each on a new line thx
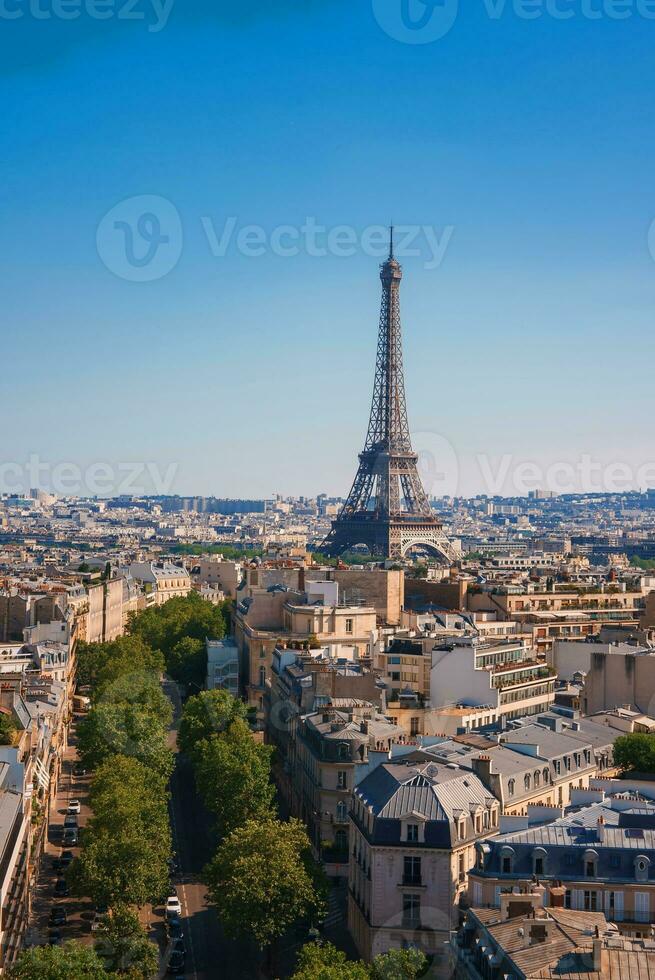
642 864
507 860
462 829
590 864
539 861
511 785
412 833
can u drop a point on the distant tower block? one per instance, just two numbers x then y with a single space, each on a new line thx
387 508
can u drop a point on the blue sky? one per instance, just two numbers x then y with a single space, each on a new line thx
532 140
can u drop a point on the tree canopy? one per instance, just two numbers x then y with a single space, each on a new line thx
58 963
206 714
176 622
260 879
322 961
233 774
635 751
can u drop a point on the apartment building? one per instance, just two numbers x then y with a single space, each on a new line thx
503 675
523 940
223 665
280 616
602 854
414 828
161 580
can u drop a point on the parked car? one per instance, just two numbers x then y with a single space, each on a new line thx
58 915
70 821
66 858
74 806
177 946
61 888
174 927
70 838
173 906
176 962
54 937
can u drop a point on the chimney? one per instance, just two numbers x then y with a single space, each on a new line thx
557 896
600 829
482 767
597 955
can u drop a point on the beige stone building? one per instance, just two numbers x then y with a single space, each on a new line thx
414 828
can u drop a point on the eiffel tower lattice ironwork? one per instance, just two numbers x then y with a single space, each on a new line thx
387 508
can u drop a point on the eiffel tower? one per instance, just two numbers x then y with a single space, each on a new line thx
387 508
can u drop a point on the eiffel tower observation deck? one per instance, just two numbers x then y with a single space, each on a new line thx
387 508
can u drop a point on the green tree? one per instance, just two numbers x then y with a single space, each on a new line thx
206 714
399 964
233 774
123 729
162 627
125 793
8 728
127 868
323 961
635 751
58 963
139 688
187 661
259 879
124 946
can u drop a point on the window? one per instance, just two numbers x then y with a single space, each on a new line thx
567 898
411 910
526 781
341 840
342 779
412 833
507 865
642 907
591 901
539 865
558 767
412 871
262 676
349 626
537 779
546 775
342 811
414 726
510 787
462 829
460 867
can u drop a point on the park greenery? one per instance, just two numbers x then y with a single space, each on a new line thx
123 951
322 961
635 752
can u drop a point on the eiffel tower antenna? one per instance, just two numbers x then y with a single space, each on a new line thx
387 508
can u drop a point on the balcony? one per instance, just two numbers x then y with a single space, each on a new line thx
412 881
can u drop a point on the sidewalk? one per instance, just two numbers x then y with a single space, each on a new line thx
79 911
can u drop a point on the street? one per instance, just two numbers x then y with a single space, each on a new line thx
209 953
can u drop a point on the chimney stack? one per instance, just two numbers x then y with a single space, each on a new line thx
597 955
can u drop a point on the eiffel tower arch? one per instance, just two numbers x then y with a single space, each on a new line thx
387 508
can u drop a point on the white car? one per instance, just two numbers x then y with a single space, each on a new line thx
173 906
74 806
